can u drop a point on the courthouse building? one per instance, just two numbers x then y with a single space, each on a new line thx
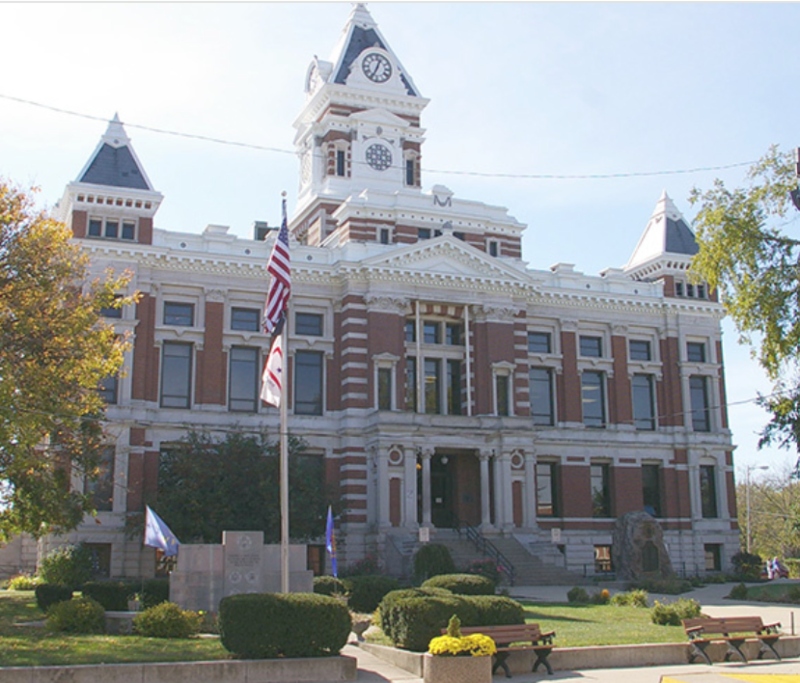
440 380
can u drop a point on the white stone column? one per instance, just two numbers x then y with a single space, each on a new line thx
425 455
486 519
530 492
503 500
410 488
382 459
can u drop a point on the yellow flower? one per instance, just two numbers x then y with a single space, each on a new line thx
477 645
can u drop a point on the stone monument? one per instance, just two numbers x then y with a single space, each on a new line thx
206 573
638 549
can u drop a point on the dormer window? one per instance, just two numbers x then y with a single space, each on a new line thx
112 228
340 163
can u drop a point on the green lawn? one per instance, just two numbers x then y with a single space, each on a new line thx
582 625
34 646
775 592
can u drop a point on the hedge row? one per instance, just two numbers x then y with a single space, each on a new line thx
114 595
462 584
364 593
413 616
270 625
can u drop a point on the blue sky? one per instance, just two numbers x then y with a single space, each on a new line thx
516 88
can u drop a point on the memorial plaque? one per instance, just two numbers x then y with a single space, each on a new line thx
243 561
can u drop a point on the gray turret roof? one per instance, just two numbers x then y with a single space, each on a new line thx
114 163
667 233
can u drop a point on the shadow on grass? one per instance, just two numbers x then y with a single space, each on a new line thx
539 616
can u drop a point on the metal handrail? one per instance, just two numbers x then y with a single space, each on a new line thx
486 547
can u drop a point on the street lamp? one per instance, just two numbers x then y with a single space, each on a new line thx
748 469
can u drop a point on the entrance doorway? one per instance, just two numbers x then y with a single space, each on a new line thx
455 489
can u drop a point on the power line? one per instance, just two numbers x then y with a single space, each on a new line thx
478 174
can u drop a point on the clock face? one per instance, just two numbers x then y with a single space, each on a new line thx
376 67
379 157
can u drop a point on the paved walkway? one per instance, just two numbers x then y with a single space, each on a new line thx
372 669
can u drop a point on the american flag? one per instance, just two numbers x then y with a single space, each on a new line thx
281 283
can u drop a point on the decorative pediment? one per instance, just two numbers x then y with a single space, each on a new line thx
378 117
449 257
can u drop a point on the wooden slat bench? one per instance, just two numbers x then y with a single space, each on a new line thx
733 631
516 638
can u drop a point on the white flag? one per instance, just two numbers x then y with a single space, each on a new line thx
272 379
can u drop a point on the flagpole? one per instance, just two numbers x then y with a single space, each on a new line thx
284 468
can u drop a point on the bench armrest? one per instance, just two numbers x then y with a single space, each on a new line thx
770 628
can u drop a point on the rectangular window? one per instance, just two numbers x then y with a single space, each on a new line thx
708 492
410 172
247 319
678 289
109 389
176 375
701 291
308 324
431 332
101 489
696 352
424 233
651 489
411 384
713 557
383 236
100 558
546 489
384 388
602 559
690 290
112 229
433 385
644 413
411 331
639 350
698 390
180 314
540 387
601 490
95 227
112 311
454 387
340 165
454 334
244 378
593 399
501 383
308 382
128 230
591 347
539 342
494 248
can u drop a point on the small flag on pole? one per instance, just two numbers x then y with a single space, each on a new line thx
330 542
280 285
158 535
272 378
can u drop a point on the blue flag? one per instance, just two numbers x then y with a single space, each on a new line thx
330 542
158 535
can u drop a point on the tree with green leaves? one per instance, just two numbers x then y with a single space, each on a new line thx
748 255
55 350
207 486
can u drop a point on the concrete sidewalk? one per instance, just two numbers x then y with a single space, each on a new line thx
372 669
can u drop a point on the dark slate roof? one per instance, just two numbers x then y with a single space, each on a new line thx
679 238
114 166
360 40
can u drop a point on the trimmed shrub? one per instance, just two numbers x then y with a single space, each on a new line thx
496 610
747 566
634 598
413 622
366 592
112 595
270 625
167 620
23 582
48 594
153 592
81 615
329 585
68 565
672 586
462 584
793 565
578 595
738 592
433 559
671 614
486 567
386 612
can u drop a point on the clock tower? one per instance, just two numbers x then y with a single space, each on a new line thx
359 131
